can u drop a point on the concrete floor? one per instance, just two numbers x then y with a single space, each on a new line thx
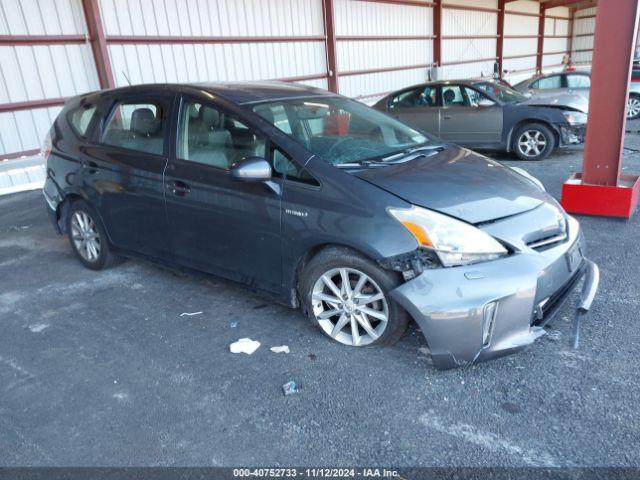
100 368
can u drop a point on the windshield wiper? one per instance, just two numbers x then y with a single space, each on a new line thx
409 151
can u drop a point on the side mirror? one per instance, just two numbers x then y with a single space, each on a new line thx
251 169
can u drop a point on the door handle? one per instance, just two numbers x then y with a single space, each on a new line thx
90 167
178 188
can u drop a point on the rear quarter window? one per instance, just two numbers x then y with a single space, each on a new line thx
80 119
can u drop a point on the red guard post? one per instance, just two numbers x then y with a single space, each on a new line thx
600 189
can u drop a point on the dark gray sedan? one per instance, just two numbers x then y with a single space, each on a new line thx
487 115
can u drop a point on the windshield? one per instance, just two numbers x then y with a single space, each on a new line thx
501 92
339 130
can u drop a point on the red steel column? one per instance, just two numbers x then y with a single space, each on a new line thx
437 32
613 48
98 43
500 39
601 190
330 45
540 52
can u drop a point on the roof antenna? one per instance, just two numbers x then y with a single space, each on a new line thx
126 78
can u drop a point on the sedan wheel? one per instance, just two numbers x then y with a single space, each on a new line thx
633 107
532 143
85 236
350 306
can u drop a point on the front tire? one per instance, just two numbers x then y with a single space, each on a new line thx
347 296
633 106
533 141
88 238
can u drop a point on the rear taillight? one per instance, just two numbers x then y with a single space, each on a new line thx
46 147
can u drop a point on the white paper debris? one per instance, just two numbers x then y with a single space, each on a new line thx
280 349
187 314
38 327
244 345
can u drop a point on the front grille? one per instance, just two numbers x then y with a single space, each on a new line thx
547 242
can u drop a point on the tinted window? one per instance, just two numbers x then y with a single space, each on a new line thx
136 126
452 96
340 130
418 97
578 81
208 136
290 169
547 83
80 119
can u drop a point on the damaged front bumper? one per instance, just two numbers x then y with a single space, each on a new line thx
572 135
486 310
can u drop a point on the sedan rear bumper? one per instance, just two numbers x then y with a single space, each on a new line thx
491 309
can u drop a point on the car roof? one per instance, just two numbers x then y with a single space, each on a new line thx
236 92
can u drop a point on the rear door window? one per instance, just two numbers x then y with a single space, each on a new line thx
139 126
80 119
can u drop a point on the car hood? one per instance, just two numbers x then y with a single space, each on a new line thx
459 183
567 100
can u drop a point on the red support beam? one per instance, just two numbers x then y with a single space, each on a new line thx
98 43
567 3
349 73
600 189
361 38
32 104
156 39
13 40
540 49
330 45
570 41
437 32
500 40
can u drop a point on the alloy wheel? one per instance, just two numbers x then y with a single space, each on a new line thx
85 236
350 306
633 107
532 143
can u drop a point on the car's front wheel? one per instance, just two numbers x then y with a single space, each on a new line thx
347 296
533 141
633 106
87 237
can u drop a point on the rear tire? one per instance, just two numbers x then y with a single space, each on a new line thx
533 141
88 237
359 312
633 106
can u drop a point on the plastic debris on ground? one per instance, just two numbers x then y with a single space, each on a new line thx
233 324
290 388
244 345
188 314
280 349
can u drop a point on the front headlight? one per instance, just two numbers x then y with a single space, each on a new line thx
455 242
575 118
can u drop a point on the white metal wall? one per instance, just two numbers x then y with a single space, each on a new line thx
467 23
521 25
554 28
188 62
582 26
40 71
357 19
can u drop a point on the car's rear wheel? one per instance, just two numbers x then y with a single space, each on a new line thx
347 296
87 237
633 107
533 141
